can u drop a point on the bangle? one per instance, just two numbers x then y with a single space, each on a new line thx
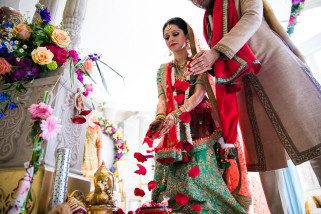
176 114
160 117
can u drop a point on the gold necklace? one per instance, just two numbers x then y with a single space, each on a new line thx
180 66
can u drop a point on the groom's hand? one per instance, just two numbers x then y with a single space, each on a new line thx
202 62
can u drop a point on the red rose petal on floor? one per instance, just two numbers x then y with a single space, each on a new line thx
196 207
185 117
141 171
179 98
193 172
130 212
181 199
151 185
139 192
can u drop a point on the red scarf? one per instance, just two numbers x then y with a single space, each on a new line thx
226 70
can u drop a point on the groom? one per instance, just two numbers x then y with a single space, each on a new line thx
267 110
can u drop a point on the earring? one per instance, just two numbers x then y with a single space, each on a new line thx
188 45
170 53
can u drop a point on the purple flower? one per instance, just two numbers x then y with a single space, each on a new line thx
94 57
80 76
19 74
45 15
32 71
113 129
118 156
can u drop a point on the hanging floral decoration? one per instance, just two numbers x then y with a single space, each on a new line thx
45 127
296 9
120 144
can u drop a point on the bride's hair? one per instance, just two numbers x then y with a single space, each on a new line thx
179 22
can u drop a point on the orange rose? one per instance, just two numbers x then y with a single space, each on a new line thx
88 64
5 67
42 56
60 38
22 30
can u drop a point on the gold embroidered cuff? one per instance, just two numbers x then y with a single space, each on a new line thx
225 50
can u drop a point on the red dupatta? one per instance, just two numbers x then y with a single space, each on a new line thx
228 72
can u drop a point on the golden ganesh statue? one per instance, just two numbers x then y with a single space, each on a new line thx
101 199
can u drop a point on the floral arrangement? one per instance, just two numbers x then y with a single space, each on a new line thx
296 9
29 50
120 144
45 127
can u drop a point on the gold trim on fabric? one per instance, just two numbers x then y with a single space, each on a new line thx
296 156
225 17
242 63
260 165
225 50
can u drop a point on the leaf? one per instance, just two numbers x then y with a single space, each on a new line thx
102 77
111 69
71 72
88 73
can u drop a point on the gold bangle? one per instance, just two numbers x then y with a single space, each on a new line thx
160 117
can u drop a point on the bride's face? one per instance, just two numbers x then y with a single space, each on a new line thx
175 38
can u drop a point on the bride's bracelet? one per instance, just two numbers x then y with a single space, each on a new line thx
160 116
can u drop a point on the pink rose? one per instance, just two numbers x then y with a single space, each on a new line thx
60 54
40 111
74 55
5 66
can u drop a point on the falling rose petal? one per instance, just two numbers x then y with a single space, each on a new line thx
149 134
181 199
193 172
142 158
141 170
130 212
179 98
150 151
196 207
185 117
139 192
151 185
120 211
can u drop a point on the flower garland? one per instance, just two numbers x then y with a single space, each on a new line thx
296 9
120 144
45 127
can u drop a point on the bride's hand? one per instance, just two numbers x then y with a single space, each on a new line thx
155 126
168 124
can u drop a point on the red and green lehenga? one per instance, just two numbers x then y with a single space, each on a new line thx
176 157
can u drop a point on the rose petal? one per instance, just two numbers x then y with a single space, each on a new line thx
141 171
156 135
196 207
193 172
130 212
120 211
181 199
185 117
142 158
151 185
139 192
179 98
